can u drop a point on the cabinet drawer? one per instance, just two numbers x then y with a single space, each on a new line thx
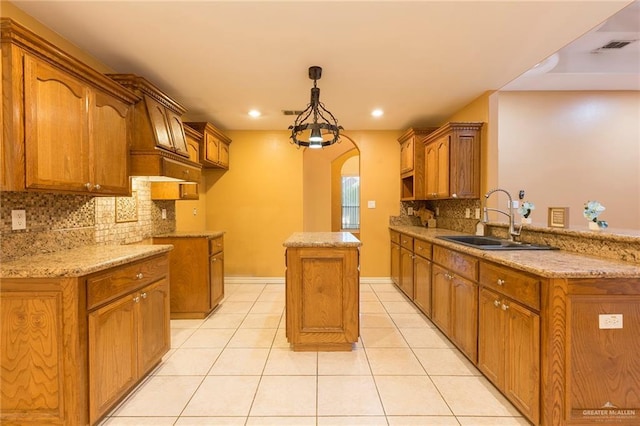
180 170
461 264
395 237
517 285
406 241
115 282
422 248
216 245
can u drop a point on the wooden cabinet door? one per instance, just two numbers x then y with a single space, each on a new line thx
442 177
491 337
406 272
522 352
212 150
159 123
431 170
395 264
223 159
113 367
56 128
441 299
109 144
153 324
406 156
177 133
465 165
464 320
422 280
216 279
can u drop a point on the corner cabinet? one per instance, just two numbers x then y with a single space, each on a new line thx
214 145
197 273
70 131
412 163
79 345
452 162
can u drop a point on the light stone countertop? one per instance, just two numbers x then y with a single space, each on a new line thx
79 261
545 263
322 239
195 234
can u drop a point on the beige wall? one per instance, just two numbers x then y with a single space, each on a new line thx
565 148
191 214
259 200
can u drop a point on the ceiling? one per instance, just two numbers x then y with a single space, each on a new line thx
420 61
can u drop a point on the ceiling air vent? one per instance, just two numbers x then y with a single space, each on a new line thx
291 112
612 45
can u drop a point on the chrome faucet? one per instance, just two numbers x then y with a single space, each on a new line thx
512 229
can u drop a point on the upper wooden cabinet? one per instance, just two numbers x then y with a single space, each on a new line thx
214 145
452 162
412 163
159 145
70 126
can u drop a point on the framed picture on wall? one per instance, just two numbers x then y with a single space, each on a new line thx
558 217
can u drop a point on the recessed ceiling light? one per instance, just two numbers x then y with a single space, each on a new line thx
255 113
377 112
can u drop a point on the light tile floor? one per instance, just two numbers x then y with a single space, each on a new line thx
236 368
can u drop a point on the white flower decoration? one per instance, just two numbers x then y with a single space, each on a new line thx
526 208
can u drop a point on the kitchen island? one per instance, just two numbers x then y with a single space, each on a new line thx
322 291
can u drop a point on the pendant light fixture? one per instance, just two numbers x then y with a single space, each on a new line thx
315 127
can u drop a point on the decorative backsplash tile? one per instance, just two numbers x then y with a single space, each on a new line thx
58 221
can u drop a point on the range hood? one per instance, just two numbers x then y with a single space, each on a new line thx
159 148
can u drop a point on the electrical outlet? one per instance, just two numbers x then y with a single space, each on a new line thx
164 214
516 204
18 220
410 211
477 213
467 213
195 212
437 211
608 321
371 204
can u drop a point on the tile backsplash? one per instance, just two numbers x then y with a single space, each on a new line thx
59 221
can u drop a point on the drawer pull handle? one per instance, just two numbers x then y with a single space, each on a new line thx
500 281
136 299
496 303
88 186
505 307
97 187
143 295
139 276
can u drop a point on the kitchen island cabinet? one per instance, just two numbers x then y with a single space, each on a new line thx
80 328
322 291
556 331
197 272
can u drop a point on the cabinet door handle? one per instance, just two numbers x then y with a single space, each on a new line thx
496 303
500 281
143 295
97 187
454 195
88 185
139 276
136 299
505 307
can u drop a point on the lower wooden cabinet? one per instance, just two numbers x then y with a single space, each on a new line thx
197 273
406 271
441 299
509 350
322 298
395 263
73 347
422 284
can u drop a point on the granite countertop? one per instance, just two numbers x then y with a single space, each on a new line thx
195 234
322 239
545 263
79 261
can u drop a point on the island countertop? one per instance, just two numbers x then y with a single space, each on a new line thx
79 261
322 239
545 263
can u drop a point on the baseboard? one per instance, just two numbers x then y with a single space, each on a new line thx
280 280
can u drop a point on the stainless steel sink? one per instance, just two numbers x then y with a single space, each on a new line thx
492 243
